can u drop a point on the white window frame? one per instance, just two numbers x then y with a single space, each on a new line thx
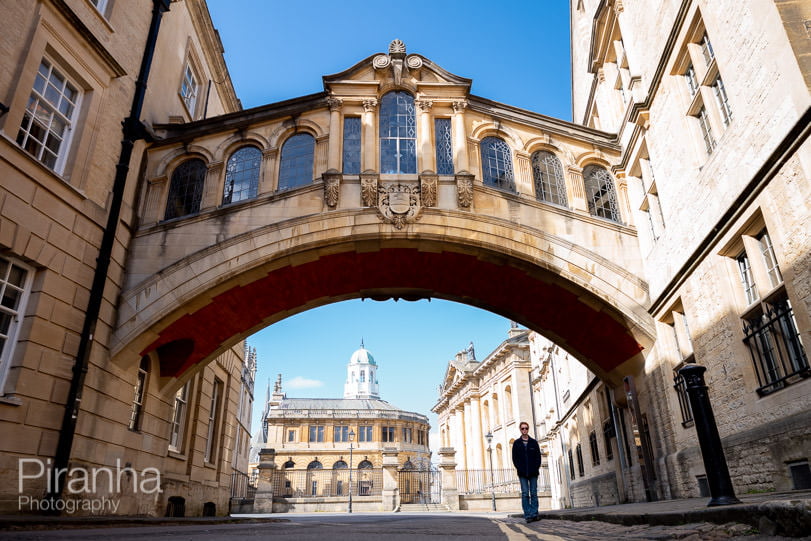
17 317
41 100
190 89
178 424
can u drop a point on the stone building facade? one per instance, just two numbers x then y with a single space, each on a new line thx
710 103
313 433
68 73
488 396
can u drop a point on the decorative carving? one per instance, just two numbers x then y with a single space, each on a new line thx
459 106
368 188
397 60
397 46
425 105
414 62
381 61
428 188
369 104
399 204
464 189
334 104
332 187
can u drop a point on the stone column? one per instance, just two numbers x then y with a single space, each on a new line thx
335 139
263 500
476 437
460 158
712 451
156 191
447 464
575 189
426 160
391 489
368 154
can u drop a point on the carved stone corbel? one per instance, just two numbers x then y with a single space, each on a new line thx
368 188
428 188
464 189
332 187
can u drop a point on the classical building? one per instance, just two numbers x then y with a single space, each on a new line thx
313 433
488 396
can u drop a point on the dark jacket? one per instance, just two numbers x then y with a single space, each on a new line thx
527 458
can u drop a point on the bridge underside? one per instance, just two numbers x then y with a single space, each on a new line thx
592 330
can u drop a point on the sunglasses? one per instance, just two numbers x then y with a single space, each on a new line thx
524 428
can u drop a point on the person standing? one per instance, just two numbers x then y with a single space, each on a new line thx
527 462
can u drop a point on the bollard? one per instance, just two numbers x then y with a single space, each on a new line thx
715 463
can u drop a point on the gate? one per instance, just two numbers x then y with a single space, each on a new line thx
420 486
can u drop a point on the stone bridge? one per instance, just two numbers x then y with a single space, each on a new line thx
478 202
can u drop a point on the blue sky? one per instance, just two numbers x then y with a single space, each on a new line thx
516 52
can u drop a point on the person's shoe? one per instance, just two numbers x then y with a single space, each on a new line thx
536 518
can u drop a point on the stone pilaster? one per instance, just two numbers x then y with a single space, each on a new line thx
269 178
575 189
460 158
426 158
369 134
335 135
212 188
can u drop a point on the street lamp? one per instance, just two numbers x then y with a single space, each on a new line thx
489 438
351 439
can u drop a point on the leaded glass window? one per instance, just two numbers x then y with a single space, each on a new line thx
548 175
49 117
600 193
444 146
296 168
497 164
242 175
351 158
398 134
186 189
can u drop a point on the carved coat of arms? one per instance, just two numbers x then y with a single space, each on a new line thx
399 204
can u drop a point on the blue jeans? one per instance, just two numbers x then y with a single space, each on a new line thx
529 496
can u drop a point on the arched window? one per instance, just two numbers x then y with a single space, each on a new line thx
340 465
496 415
365 465
408 466
362 376
497 164
548 175
186 189
242 175
296 168
315 465
398 134
600 193
289 465
508 404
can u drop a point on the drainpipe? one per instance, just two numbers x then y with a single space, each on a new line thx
133 131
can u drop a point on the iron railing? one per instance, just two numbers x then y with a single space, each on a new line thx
777 352
241 487
325 483
503 481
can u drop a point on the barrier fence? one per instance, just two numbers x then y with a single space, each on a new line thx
324 483
502 481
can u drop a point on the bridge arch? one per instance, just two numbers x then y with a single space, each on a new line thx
194 308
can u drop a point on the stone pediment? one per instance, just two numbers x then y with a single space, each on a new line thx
396 69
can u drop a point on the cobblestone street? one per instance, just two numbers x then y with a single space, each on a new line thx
384 527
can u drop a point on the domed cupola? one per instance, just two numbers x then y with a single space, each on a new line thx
361 375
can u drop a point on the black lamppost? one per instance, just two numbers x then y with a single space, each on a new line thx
351 439
489 438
